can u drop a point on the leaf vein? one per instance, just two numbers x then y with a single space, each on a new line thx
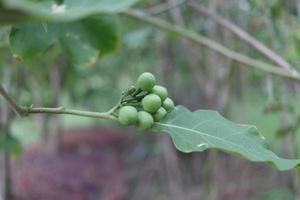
221 139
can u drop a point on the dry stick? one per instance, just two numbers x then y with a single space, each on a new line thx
243 35
176 187
5 122
277 59
192 62
202 40
161 8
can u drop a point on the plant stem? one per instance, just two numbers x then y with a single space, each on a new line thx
17 109
202 40
161 8
137 92
62 110
24 111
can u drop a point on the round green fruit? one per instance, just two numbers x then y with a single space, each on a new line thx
160 91
168 104
151 103
146 81
144 120
128 115
159 114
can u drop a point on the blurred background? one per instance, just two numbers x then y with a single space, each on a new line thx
68 157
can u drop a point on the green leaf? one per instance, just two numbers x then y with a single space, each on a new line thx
83 41
276 193
68 10
205 129
10 144
102 32
26 41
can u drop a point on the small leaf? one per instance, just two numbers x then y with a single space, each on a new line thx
205 129
78 49
83 41
10 144
69 10
26 41
102 32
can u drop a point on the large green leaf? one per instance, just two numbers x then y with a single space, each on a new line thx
205 129
68 10
83 41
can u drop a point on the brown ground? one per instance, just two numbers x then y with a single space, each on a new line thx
96 164
89 166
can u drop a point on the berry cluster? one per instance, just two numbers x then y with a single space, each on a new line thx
146 104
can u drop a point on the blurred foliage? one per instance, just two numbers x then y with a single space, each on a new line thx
81 41
67 10
144 49
278 194
136 47
10 144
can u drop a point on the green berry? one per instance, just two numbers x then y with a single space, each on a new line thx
146 81
168 104
159 114
128 115
160 91
151 103
145 120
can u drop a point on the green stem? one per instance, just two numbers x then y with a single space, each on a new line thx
113 109
17 109
202 40
161 8
62 110
24 111
137 92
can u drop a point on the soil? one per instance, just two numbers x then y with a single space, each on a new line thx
105 164
88 166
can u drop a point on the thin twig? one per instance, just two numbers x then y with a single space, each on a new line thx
243 35
24 111
202 40
62 110
17 109
161 8
193 63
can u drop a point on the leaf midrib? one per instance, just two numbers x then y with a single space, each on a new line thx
204 134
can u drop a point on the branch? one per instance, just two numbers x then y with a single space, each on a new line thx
243 35
187 50
161 8
17 109
24 111
202 40
62 110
